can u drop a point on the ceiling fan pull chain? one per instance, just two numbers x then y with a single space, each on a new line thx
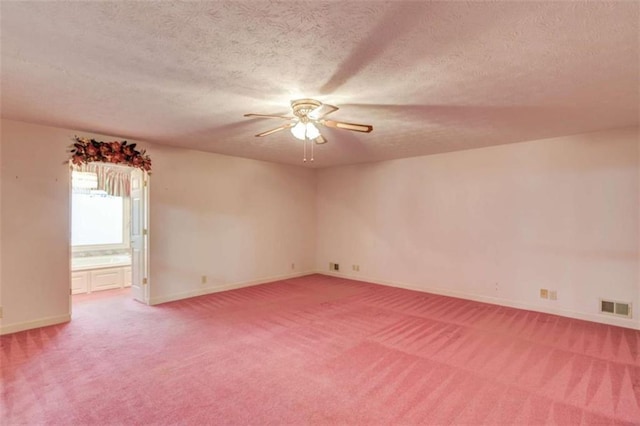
312 144
304 144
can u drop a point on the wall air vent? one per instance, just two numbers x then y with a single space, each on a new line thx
619 309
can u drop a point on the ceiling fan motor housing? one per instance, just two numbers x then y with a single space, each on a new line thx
302 107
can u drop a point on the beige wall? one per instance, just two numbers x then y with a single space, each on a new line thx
235 220
1 321
35 224
495 224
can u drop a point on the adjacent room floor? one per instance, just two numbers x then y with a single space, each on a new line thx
319 350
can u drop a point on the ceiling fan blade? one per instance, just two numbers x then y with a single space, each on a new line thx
322 111
320 140
364 128
269 116
277 129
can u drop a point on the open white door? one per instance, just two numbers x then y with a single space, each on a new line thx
139 236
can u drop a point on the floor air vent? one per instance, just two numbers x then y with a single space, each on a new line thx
615 308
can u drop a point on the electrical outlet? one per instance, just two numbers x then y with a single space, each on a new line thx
293 266
544 293
553 295
0 311
334 267
203 280
356 268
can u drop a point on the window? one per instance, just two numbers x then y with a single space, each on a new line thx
98 220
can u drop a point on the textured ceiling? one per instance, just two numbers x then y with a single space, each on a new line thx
430 76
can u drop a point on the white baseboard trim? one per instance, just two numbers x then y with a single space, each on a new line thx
28 325
602 319
225 287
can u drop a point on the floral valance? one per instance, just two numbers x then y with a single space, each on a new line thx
85 151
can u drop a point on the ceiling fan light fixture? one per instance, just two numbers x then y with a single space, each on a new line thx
299 130
312 131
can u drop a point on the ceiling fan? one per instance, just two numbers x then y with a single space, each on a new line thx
307 114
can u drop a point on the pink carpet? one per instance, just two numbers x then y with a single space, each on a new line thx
319 350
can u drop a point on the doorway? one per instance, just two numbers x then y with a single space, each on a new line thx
109 237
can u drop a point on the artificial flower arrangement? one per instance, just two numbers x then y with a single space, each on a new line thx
90 150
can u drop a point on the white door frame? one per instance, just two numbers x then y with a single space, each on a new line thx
140 236
142 279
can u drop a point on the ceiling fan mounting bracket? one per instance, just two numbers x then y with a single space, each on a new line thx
302 107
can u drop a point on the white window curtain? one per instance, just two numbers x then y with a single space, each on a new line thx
113 180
